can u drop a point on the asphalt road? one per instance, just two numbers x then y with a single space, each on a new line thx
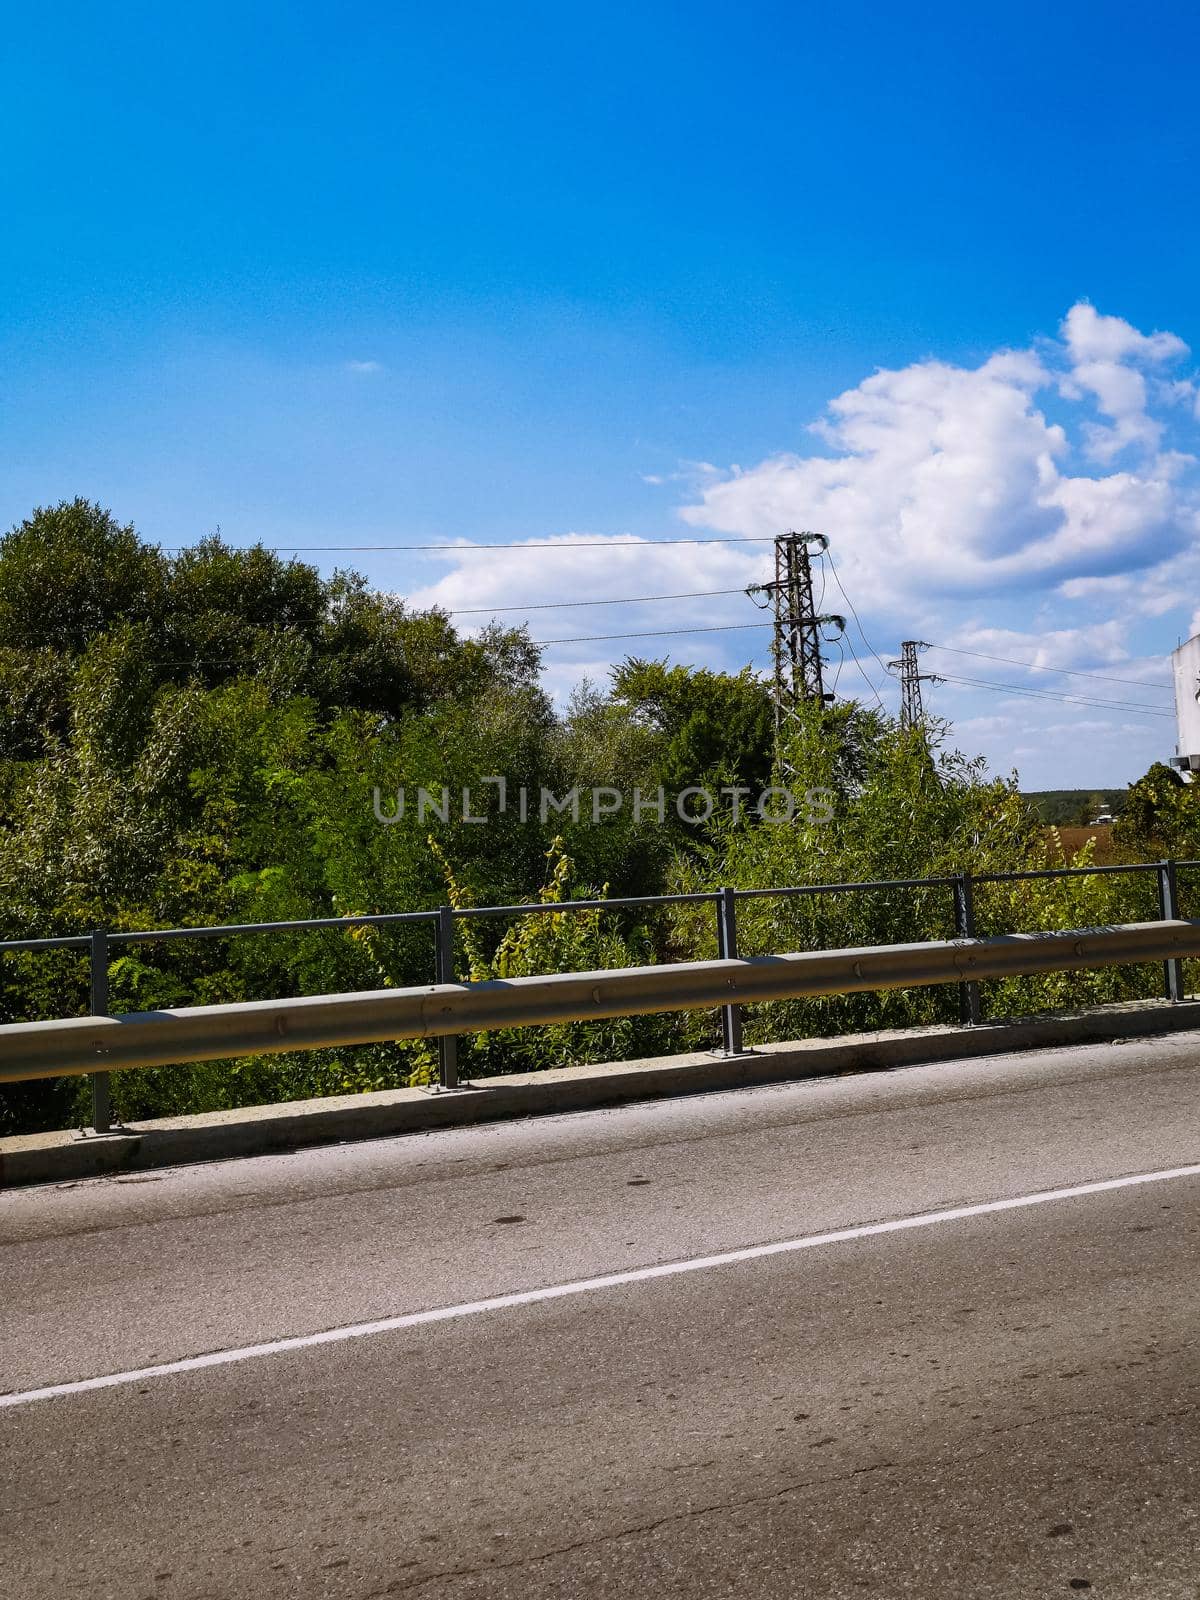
1001 1401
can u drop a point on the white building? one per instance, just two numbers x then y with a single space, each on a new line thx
1185 666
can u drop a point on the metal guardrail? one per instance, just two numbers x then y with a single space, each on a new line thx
99 945
262 1027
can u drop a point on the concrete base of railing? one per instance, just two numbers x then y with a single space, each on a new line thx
260 1130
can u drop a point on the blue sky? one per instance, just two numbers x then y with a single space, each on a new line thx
381 275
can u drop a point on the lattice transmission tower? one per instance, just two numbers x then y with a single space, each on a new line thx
912 709
796 644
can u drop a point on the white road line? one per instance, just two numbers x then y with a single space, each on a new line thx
611 1280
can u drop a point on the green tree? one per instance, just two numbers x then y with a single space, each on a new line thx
1161 817
71 571
234 612
714 728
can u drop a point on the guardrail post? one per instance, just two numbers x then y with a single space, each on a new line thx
731 1016
1168 906
970 1011
447 1043
98 974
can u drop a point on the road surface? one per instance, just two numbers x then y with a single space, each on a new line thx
944 1377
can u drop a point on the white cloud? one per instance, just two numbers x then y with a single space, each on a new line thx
695 474
946 480
1055 485
1154 591
1105 353
1097 643
364 366
1099 730
1092 337
587 571
979 727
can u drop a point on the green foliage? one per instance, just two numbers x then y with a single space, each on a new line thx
877 808
1094 901
1161 818
70 572
901 805
587 940
715 728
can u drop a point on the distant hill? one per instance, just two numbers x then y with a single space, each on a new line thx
1075 807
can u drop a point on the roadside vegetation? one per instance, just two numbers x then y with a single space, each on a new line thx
199 738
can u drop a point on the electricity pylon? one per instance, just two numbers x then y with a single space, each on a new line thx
912 710
796 643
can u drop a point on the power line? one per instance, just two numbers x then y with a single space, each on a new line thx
467 549
584 638
653 633
559 605
741 627
1011 661
871 650
1049 694
1029 666
840 668
1075 700
861 669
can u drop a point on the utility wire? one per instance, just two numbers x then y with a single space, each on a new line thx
858 623
740 627
862 670
1029 666
1011 661
653 633
840 668
584 638
467 549
1068 699
559 605
871 650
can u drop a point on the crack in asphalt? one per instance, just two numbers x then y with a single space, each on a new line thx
639 1529
398 1587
